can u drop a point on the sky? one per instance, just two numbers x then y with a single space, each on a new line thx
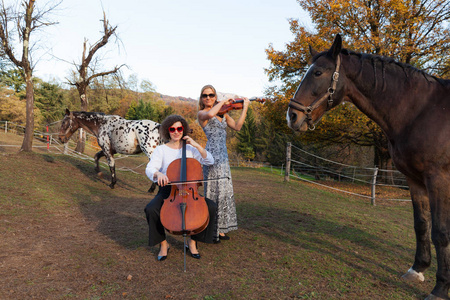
178 45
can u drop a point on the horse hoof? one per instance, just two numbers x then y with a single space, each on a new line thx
412 275
433 297
100 174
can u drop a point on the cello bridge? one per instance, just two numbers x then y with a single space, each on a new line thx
183 193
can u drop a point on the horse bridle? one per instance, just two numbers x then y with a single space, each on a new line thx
307 110
70 123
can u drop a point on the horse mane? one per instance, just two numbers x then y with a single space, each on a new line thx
388 62
88 113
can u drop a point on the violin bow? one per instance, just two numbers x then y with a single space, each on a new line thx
197 181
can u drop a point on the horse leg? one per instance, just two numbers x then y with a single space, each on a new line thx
112 168
422 225
111 163
97 157
439 192
145 147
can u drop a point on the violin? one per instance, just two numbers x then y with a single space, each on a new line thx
185 211
237 104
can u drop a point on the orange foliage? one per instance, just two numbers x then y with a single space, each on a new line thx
124 105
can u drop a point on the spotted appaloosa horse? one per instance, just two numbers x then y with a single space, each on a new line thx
114 135
413 110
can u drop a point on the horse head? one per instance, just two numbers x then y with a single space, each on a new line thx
320 90
68 126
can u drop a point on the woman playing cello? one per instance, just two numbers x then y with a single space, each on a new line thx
174 129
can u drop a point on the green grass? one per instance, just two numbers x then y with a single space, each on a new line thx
65 234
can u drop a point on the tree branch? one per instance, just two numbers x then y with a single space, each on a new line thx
105 73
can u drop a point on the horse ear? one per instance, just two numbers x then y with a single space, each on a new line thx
67 112
336 47
312 51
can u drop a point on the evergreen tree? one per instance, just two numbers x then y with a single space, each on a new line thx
276 153
263 139
246 136
142 111
167 111
12 79
49 99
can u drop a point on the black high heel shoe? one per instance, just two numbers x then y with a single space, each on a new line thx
224 237
163 257
196 256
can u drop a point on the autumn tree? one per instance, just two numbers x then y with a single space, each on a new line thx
11 108
413 32
105 94
18 24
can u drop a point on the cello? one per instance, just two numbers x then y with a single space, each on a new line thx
185 211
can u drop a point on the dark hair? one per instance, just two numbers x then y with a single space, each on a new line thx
168 122
200 101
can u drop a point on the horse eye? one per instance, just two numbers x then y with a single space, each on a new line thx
317 73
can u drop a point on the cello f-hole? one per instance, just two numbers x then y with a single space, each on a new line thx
193 194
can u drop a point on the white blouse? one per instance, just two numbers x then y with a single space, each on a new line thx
163 155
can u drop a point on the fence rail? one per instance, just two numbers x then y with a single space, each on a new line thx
299 164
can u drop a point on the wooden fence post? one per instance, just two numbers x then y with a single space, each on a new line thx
288 162
374 181
48 139
354 174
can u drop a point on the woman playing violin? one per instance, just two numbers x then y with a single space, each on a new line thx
174 129
214 125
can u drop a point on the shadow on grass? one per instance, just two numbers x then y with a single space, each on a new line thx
330 239
88 170
122 219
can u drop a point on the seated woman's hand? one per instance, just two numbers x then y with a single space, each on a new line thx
190 141
162 179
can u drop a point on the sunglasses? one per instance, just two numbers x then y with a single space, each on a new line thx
173 129
208 95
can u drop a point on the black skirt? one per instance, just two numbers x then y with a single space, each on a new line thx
156 231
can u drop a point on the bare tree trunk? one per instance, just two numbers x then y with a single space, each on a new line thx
84 79
27 144
81 142
26 23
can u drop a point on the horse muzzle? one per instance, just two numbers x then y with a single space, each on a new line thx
297 120
63 139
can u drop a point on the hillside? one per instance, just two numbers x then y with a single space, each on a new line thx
65 234
169 99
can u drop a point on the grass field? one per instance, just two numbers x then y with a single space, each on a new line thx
66 235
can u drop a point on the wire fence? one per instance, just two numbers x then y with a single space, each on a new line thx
47 140
321 171
366 182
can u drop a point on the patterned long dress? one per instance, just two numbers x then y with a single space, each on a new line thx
220 191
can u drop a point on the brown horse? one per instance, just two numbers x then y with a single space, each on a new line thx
413 110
